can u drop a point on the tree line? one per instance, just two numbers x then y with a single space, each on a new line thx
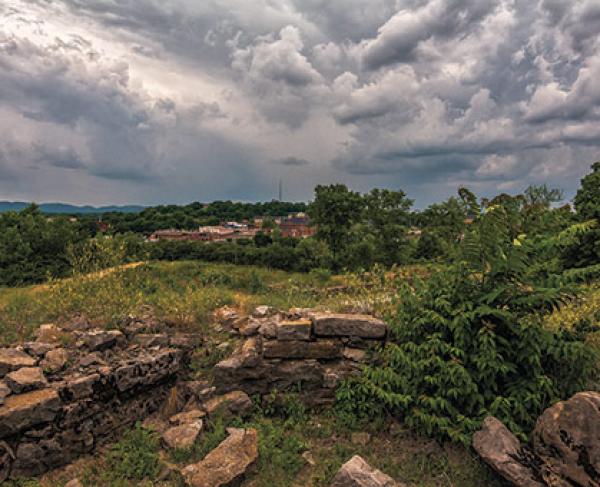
354 231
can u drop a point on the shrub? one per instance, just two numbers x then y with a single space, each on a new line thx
469 342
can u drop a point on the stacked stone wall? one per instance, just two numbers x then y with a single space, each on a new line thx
59 401
301 350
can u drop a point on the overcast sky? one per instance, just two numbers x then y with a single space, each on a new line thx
172 101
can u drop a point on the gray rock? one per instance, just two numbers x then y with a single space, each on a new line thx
13 359
55 360
26 410
184 436
322 349
263 311
187 417
566 438
501 450
354 354
227 463
294 330
352 325
39 349
25 379
235 403
97 340
358 473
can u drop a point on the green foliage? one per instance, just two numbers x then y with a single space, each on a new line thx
587 205
469 341
134 457
356 407
33 246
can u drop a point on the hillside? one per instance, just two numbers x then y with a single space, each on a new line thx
66 209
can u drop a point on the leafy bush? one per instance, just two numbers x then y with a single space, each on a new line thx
469 342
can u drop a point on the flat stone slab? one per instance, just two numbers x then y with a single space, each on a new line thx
501 450
227 463
295 349
26 410
101 339
294 330
358 473
182 437
13 359
25 379
348 325
235 403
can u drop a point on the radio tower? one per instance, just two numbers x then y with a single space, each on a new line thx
280 190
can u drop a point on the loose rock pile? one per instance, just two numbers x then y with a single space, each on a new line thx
300 350
565 448
74 389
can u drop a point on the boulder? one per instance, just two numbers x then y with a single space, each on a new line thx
348 325
227 463
25 379
74 483
183 436
358 473
501 450
13 359
187 417
235 403
26 410
294 330
55 360
566 438
295 349
97 340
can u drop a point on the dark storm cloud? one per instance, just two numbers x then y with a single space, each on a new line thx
398 39
172 98
291 161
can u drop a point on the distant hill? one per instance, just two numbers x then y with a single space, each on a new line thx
69 209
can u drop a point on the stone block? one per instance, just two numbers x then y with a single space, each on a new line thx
26 410
25 379
296 349
348 325
294 330
227 463
13 359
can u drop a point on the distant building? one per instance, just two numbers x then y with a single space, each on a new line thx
296 225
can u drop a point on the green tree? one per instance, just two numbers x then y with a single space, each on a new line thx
335 210
388 215
587 206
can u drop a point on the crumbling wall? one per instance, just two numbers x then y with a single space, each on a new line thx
73 390
301 350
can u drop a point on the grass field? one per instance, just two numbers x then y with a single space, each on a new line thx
185 295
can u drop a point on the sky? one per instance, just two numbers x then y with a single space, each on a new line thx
173 101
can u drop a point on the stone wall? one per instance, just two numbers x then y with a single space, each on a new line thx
299 350
75 389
